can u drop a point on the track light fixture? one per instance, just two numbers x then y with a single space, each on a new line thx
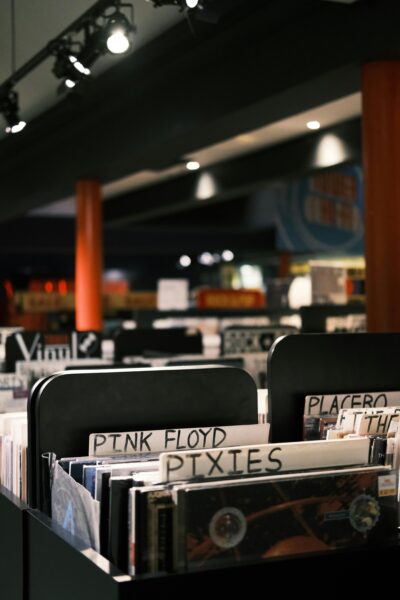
119 31
93 46
67 66
75 50
10 111
183 4
108 33
95 32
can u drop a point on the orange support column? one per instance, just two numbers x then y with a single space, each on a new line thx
284 265
381 151
89 263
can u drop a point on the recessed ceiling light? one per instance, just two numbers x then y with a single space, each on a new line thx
193 165
206 259
206 186
313 125
227 255
185 261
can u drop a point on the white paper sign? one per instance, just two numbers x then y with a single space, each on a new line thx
349 419
331 404
162 440
262 401
173 294
269 458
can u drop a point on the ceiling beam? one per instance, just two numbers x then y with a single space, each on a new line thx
238 177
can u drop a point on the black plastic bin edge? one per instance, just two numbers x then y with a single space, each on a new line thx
63 568
12 546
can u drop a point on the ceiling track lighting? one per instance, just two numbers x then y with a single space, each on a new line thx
96 32
9 108
182 4
67 65
119 30
93 46
75 49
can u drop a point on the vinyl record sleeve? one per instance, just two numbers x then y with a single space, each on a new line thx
218 527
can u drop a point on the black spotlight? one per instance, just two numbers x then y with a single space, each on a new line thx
94 46
119 31
10 110
68 67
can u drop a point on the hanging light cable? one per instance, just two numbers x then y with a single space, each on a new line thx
67 66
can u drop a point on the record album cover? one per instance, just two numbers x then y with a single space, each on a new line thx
253 522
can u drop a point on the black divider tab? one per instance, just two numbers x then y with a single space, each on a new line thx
66 407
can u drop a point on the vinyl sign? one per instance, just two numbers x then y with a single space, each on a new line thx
36 345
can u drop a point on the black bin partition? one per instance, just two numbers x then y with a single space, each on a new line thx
64 409
305 364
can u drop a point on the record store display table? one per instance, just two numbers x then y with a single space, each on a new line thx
41 561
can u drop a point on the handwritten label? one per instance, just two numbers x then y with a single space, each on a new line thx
372 424
348 418
364 421
268 458
331 404
162 440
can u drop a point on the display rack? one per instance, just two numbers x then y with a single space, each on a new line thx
314 318
242 339
146 318
300 365
65 407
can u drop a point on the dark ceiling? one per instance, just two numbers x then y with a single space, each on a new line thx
260 62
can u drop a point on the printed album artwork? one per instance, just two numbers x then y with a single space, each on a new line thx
253 522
